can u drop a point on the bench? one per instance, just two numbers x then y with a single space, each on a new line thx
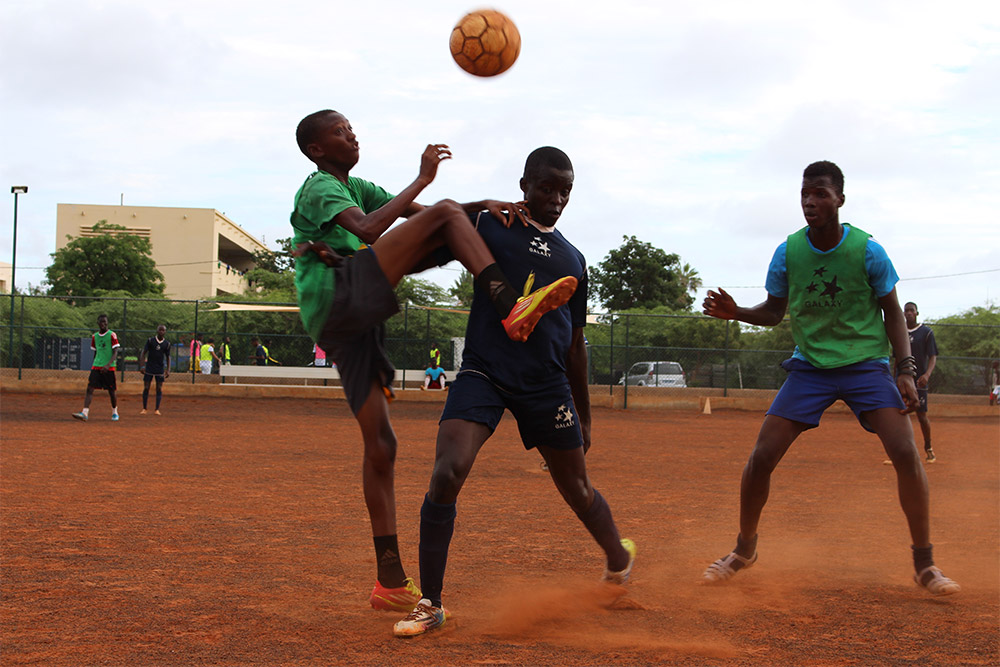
414 377
304 373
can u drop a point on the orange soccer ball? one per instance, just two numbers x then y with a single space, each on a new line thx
485 42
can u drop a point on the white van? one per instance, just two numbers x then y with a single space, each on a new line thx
655 374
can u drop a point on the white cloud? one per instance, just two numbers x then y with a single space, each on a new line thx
688 124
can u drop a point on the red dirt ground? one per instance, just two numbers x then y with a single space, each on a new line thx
233 532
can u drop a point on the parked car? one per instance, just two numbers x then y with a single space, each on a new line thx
655 374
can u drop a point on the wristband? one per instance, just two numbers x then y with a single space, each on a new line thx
907 366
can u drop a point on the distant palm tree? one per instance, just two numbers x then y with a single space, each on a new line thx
689 278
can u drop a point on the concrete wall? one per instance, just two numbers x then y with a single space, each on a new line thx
38 381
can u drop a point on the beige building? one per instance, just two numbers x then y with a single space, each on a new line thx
5 271
200 252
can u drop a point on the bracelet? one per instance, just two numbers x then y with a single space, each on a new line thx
907 366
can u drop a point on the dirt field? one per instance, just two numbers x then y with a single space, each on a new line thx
231 532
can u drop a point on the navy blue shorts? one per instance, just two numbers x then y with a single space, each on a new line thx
545 417
809 391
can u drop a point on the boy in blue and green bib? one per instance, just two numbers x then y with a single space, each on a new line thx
838 286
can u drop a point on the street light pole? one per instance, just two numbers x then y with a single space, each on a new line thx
14 190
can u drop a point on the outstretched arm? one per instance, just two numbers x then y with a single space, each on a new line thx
505 212
768 314
369 227
895 329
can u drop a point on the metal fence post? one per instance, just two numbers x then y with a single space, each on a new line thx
193 361
20 342
627 363
124 334
725 368
611 360
406 337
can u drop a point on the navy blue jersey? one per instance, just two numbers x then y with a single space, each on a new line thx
541 361
157 355
922 346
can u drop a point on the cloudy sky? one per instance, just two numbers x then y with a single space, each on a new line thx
688 123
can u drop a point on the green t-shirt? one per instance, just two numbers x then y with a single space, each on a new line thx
102 345
320 199
834 311
206 352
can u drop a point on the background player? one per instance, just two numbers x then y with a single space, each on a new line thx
543 383
925 352
154 362
207 355
434 377
837 285
345 294
105 345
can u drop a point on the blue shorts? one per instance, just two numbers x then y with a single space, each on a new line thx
545 417
809 391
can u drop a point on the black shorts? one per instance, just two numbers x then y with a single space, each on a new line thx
102 379
922 398
354 333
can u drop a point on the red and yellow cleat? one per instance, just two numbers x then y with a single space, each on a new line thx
395 599
529 309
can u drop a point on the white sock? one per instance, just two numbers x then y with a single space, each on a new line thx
114 410
85 411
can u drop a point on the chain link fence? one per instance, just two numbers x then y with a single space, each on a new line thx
641 352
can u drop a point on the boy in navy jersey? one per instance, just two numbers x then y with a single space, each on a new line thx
925 353
543 382
154 362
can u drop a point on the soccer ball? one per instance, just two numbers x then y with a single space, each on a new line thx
485 43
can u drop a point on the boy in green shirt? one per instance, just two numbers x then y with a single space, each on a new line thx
105 345
838 286
345 293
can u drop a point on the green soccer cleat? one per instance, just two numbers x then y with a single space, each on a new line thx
622 576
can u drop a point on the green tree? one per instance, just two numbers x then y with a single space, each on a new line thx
111 260
276 261
462 289
419 292
974 333
639 275
273 275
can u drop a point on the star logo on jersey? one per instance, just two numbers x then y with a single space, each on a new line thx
831 288
812 287
820 271
564 416
539 247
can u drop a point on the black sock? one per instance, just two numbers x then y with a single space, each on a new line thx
494 283
390 568
145 397
437 524
923 557
602 526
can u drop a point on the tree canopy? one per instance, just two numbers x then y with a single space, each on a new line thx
639 275
112 260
